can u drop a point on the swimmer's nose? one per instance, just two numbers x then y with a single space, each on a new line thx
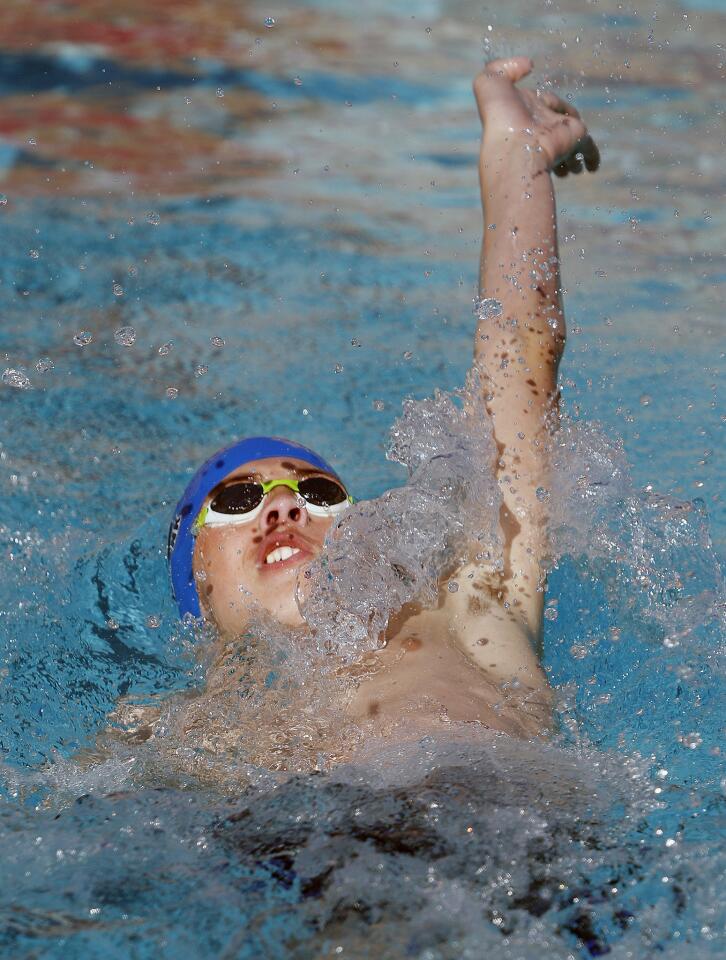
283 505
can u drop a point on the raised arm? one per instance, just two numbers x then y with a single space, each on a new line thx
527 135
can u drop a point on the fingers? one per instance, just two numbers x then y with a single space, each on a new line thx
556 103
590 154
585 156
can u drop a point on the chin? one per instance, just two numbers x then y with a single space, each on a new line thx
288 615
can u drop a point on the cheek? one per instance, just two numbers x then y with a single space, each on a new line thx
319 527
219 558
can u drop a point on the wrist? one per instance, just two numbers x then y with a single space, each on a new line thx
512 156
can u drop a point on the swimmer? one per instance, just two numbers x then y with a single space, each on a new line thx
257 513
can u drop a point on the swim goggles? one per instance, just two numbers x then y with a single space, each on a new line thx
240 501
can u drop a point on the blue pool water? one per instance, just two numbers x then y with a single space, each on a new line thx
298 258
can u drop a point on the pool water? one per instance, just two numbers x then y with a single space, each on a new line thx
221 219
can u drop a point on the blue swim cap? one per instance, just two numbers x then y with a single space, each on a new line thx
181 539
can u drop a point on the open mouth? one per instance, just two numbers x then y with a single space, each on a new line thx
281 550
278 554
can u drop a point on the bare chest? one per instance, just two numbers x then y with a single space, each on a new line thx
422 676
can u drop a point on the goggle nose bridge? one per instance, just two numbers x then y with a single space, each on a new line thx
268 485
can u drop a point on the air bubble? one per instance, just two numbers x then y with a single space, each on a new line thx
269 22
691 740
166 348
16 378
172 393
542 494
153 218
220 92
82 338
644 400
201 370
452 586
112 624
217 341
118 290
407 355
33 254
338 368
125 336
44 365
550 613
3 199
153 621
378 405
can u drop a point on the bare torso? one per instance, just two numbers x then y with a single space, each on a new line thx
429 674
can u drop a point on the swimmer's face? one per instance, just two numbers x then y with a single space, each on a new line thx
230 562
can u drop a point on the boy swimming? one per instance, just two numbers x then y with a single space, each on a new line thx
257 514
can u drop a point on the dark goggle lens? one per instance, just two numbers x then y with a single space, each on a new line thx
322 492
237 498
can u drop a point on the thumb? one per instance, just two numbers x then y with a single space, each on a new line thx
494 89
509 68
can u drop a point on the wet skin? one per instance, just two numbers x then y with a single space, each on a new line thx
421 677
230 567
474 657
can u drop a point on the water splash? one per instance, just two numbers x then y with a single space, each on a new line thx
387 552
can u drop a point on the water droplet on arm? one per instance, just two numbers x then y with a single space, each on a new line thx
487 308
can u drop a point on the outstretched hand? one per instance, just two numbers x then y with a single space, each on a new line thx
512 116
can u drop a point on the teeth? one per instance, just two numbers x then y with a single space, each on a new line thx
281 553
